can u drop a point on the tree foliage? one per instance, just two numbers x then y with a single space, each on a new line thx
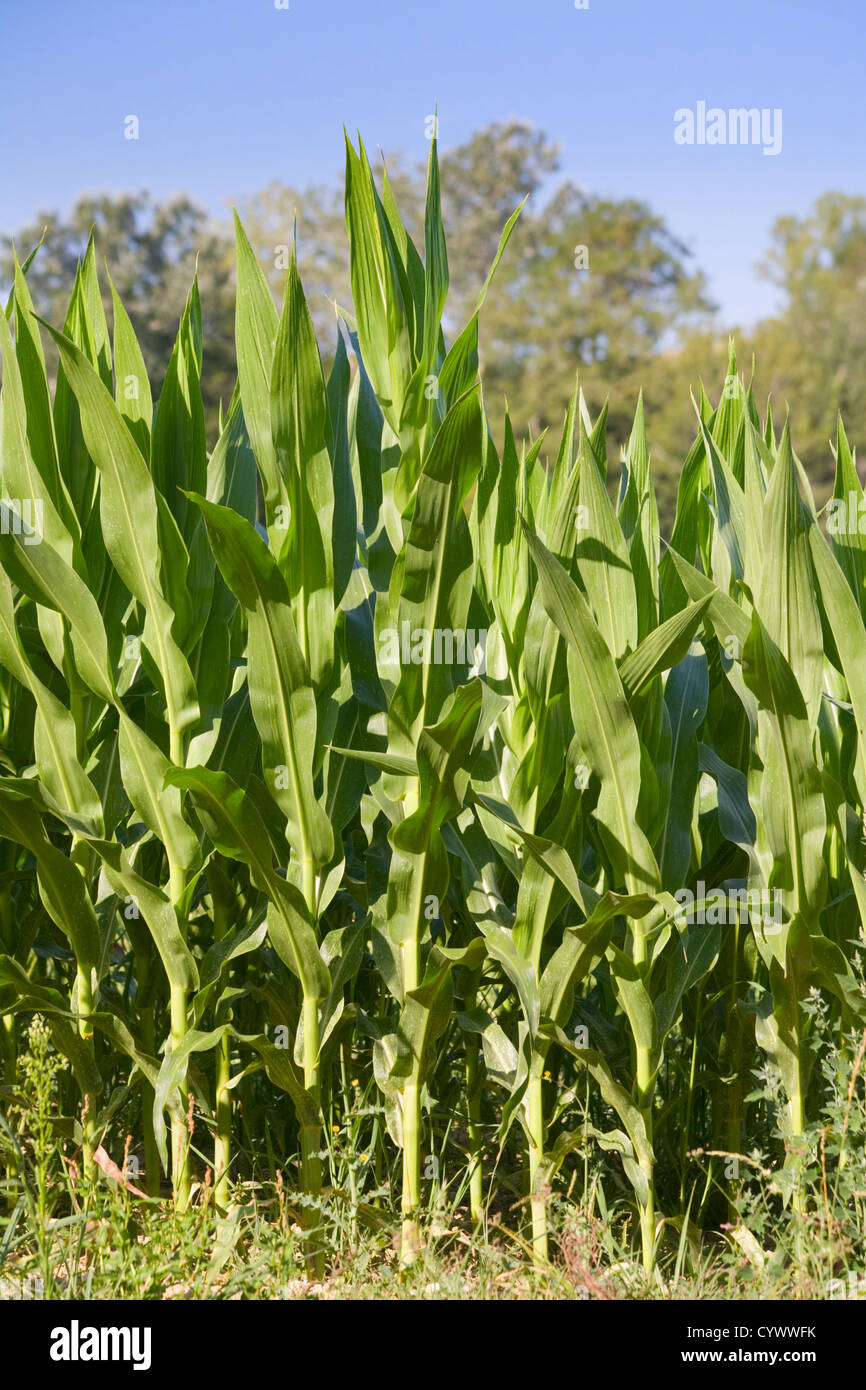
591 283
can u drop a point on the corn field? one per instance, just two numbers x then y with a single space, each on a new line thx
366 773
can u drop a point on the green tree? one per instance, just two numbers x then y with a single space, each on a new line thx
590 284
596 285
152 250
814 352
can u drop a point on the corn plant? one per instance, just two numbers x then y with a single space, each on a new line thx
364 755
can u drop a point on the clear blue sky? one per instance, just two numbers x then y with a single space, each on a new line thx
232 94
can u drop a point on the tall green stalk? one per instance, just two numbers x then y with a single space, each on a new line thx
410 1195
221 898
644 1093
311 1133
474 1081
536 1136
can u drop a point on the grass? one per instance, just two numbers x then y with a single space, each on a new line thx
65 1237
115 1250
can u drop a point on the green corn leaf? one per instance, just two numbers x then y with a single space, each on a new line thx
132 387
232 821
91 297
635 1000
730 506
256 323
686 696
443 752
791 786
693 956
436 262
431 583
603 560
300 429
61 886
41 573
845 523
580 951
385 762
385 330
736 817
172 1075
20 477
34 389
663 648
690 524
282 697
178 452
602 721
756 469
344 531
620 1100
846 622
157 911
640 524
785 593
55 735
132 536
76 466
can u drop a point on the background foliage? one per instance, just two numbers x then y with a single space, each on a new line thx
640 317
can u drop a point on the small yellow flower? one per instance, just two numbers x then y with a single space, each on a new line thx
356 1082
547 1076
363 1158
335 1128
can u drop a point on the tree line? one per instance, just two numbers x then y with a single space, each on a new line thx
590 284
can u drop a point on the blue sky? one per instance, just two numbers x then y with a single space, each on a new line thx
231 94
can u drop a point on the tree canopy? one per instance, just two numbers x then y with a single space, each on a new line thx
589 284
